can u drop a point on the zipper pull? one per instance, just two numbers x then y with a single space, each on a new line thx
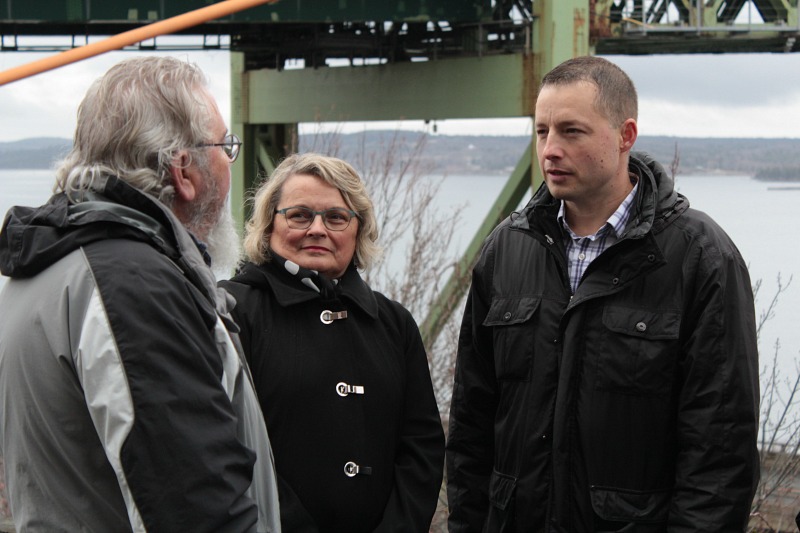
549 239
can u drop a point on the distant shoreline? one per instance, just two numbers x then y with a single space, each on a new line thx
782 171
770 160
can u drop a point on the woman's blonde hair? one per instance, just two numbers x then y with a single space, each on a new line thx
332 171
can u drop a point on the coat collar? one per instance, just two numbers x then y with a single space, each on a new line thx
288 291
189 257
656 201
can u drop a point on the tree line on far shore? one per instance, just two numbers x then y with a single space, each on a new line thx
767 159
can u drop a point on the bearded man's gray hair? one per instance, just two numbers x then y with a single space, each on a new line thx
131 122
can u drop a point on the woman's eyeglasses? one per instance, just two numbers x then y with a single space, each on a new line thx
335 219
230 146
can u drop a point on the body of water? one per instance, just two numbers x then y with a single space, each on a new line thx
759 216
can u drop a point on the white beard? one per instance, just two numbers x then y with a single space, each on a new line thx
212 223
224 244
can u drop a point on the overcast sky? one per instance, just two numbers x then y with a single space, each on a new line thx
733 95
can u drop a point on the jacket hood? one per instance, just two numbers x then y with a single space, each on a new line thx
656 199
33 238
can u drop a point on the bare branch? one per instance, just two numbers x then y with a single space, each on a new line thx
674 166
776 500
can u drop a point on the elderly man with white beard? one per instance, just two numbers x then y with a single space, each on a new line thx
126 403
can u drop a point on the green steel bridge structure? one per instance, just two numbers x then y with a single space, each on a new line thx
407 60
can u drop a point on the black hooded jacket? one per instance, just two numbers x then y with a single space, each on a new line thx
630 405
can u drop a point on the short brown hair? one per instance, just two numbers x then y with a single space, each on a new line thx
616 95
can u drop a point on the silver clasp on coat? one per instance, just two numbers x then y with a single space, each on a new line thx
326 317
352 470
343 389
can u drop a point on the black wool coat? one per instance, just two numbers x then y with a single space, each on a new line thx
349 405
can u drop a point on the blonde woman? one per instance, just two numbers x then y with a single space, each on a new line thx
340 369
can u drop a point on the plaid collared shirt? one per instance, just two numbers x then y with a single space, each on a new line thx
583 250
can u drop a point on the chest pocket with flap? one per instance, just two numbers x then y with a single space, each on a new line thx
512 323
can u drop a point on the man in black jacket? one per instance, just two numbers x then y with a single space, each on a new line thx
607 373
126 405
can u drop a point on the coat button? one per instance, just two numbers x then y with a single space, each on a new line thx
615 281
641 326
507 316
651 257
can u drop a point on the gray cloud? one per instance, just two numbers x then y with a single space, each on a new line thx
700 95
722 79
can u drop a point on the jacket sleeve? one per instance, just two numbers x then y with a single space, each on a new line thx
717 468
419 460
155 387
470 444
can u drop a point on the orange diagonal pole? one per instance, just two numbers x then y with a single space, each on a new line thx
162 27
